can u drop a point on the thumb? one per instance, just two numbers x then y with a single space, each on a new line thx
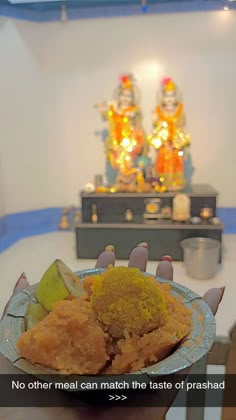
21 284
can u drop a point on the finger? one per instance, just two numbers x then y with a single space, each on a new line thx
213 297
139 257
165 268
21 284
106 258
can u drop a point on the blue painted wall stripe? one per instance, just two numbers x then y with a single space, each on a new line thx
14 227
228 216
23 225
52 11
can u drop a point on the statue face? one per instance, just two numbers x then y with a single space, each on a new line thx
169 99
126 98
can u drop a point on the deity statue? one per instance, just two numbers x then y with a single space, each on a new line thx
126 139
169 138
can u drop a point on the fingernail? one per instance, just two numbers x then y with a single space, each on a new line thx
19 281
167 258
110 248
143 244
110 266
21 284
223 291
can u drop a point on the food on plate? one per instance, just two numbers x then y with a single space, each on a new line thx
69 339
127 300
35 313
136 352
118 321
57 283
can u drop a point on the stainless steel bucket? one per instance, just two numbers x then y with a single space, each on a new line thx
201 257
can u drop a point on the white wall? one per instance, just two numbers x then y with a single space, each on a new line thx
52 74
2 204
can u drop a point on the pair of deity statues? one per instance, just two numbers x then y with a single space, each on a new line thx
126 145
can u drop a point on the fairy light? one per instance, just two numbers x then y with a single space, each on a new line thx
125 142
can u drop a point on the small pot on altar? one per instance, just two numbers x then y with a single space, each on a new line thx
166 212
195 220
214 220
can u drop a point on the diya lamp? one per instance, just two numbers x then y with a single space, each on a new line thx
94 217
129 216
64 223
206 213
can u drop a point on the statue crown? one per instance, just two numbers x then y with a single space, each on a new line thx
168 84
126 81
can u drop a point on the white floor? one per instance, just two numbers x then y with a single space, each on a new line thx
34 255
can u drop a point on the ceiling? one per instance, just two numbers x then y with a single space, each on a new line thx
103 3
48 10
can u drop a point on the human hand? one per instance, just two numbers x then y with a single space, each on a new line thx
138 259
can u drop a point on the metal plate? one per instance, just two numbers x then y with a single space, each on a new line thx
192 349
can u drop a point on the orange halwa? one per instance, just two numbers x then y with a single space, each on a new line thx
137 352
129 321
69 339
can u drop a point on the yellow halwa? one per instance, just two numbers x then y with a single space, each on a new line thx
129 321
126 300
